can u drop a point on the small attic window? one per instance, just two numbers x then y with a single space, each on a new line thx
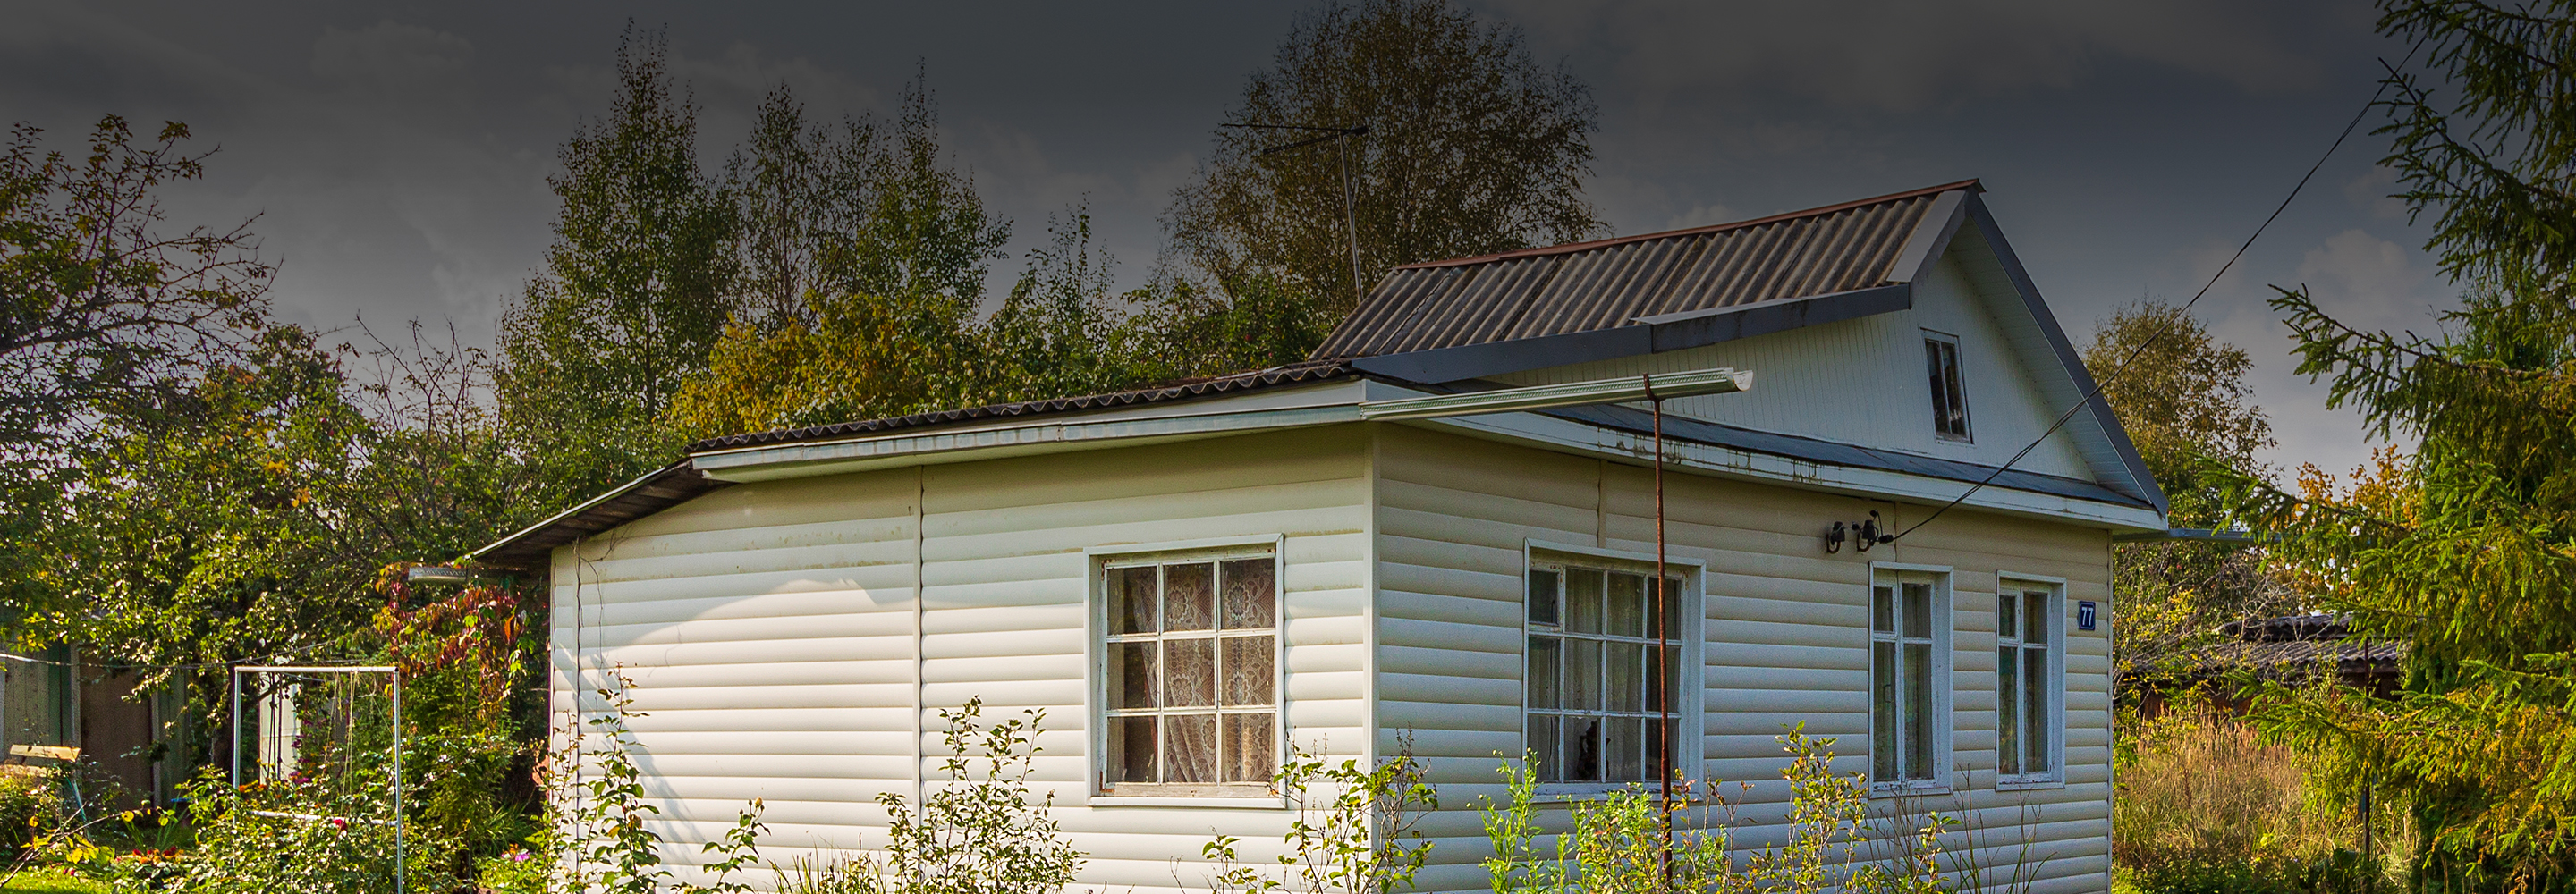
1949 398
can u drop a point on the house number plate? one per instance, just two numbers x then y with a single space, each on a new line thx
2084 615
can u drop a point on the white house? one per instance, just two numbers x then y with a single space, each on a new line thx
1192 579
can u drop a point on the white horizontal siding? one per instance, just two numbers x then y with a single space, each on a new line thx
1786 635
769 630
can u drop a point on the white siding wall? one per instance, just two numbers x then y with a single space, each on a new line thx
769 631
1863 381
1786 634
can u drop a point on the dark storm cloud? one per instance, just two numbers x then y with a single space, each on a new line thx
397 152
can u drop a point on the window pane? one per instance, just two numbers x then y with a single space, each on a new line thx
1131 749
1627 750
1582 675
1627 605
1583 749
1882 609
2039 730
1655 768
1189 596
1189 748
1673 628
1918 711
1543 674
1131 600
1627 677
1251 593
1248 669
1131 675
1582 600
2007 711
1542 597
1189 672
1671 663
1918 611
1248 746
2035 620
2007 624
1882 678
1543 747
1940 386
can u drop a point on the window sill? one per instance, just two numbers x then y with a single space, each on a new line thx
1216 802
1907 790
1580 792
2027 783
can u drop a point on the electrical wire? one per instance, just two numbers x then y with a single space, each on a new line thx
2151 340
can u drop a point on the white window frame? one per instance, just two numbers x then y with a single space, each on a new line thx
1690 689
2061 625
1967 418
1943 623
1098 560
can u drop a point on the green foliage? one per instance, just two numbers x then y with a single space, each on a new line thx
30 807
1473 147
99 303
2181 394
1618 844
2466 548
983 832
634 292
339 842
871 207
1358 836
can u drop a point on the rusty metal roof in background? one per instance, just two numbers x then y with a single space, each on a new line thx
1588 286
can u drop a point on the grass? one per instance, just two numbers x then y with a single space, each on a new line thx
51 880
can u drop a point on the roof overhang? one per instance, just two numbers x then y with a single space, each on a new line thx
1615 431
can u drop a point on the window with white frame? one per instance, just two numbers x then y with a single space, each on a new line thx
2029 681
1949 394
1603 650
1909 678
1190 672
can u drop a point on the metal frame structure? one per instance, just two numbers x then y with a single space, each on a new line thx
389 670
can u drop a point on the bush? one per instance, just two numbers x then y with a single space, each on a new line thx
30 805
302 838
1616 845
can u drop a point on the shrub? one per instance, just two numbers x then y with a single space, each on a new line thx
1357 836
1617 844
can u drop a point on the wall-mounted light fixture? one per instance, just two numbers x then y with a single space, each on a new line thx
1864 534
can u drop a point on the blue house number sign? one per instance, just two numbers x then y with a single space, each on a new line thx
2084 615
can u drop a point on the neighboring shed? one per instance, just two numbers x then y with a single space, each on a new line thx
1193 579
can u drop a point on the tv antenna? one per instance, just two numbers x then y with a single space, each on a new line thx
1350 213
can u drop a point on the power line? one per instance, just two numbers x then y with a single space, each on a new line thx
2103 381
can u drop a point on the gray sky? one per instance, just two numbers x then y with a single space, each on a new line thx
397 152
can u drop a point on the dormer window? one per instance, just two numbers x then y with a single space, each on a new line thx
1949 398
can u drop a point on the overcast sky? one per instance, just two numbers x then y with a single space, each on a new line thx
396 153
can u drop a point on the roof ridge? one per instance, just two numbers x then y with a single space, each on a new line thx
1571 247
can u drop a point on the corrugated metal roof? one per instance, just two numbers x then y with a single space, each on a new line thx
1587 286
664 488
1309 371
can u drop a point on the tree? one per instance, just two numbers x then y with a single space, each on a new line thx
868 207
866 253
2465 549
637 286
2181 394
101 304
1472 147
